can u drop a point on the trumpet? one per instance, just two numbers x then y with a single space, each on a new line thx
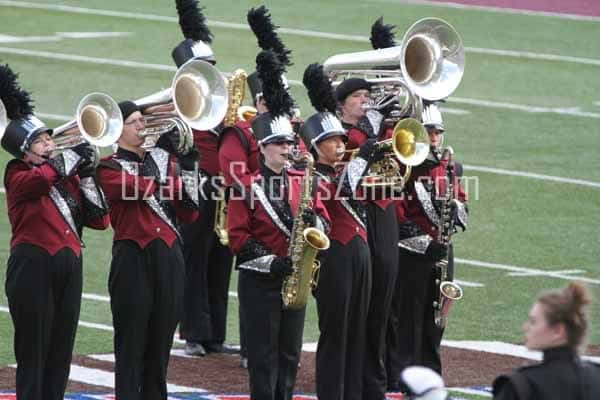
98 121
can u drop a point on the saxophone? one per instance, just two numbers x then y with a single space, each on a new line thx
448 290
304 245
236 89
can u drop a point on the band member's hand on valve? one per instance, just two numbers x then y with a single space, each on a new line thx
170 142
69 161
371 152
436 251
281 266
87 167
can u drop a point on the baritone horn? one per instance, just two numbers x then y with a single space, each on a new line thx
98 121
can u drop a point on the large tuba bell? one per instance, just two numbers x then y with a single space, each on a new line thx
429 64
98 121
198 95
197 99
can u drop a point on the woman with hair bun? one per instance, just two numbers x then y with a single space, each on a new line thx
557 326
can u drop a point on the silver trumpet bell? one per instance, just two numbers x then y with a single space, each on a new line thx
98 121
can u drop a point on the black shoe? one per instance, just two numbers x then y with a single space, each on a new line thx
194 349
221 348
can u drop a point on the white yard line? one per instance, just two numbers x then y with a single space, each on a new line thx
564 274
559 179
99 377
571 111
502 348
469 284
494 347
291 31
87 60
491 9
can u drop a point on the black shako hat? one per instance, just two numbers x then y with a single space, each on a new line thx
23 127
348 86
273 126
197 35
323 124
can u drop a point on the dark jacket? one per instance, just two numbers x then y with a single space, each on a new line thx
562 375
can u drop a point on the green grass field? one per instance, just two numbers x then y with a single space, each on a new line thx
519 221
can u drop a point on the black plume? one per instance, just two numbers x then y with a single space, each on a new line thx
319 88
270 71
17 101
192 21
260 22
382 35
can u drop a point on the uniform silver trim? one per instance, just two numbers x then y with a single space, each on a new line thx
190 185
92 192
71 159
260 264
161 158
64 210
269 209
425 198
151 201
461 213
355 170
417 244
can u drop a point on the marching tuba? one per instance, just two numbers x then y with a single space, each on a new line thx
305 243
197 99
428 64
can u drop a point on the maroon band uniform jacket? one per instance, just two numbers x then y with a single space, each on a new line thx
34 195
138 203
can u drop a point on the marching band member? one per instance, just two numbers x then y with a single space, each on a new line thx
239 160
344 287
147 198
418 336
49 199
260 221
382 231
208 262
